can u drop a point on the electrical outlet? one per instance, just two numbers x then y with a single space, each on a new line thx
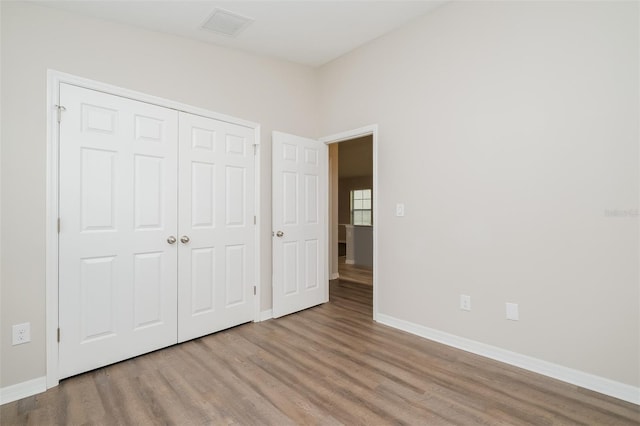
400 209
512 311
465 302
21 333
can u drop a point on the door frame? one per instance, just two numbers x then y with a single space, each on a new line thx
370 130
54 79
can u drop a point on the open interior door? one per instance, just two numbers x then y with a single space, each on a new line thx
300 217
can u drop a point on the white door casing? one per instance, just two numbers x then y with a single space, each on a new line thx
216 214
118 189
299 185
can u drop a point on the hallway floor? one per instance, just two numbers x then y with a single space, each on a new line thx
353 273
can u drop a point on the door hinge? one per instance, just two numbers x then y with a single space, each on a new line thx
255 148
58 225
254 290
60 109
58 334
255 220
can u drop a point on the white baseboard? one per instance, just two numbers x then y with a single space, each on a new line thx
575 377
266 315
335 276
22 390
349 262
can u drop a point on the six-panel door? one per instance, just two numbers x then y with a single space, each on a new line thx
300 176
216 211
118 189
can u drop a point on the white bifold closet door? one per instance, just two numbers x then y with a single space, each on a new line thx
118 198
156 241
216 213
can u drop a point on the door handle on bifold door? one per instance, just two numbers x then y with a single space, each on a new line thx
171 239
184 239
279 234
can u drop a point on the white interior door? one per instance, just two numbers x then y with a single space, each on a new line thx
217 229
118 206
300 176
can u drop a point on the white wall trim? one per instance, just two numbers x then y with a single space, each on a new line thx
51 278
575 377
266 315
352 134
335 276
257 249
54 79
23 390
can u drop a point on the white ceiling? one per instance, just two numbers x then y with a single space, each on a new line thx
310 32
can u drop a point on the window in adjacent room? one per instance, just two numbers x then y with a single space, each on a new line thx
361 207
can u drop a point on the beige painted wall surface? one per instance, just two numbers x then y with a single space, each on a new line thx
510 131
278 95
356 157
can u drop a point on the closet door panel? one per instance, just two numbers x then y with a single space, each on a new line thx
118 206
216 210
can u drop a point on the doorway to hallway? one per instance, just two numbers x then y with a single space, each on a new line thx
352 224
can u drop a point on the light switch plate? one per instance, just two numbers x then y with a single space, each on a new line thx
512 311
465 302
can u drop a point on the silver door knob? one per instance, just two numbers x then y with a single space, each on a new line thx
171 240
280 234
184 239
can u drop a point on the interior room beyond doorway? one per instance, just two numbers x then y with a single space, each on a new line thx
355 219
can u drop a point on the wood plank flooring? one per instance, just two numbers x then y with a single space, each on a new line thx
354 273
328 365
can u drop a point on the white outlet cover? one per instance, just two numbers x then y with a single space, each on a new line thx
21 333
399 209
512 311
465 302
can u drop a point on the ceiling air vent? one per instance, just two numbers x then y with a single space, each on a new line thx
224 22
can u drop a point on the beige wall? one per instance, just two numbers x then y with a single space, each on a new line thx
508 129
276 94
356 157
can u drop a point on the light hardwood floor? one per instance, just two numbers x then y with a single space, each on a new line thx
327 365
354 273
